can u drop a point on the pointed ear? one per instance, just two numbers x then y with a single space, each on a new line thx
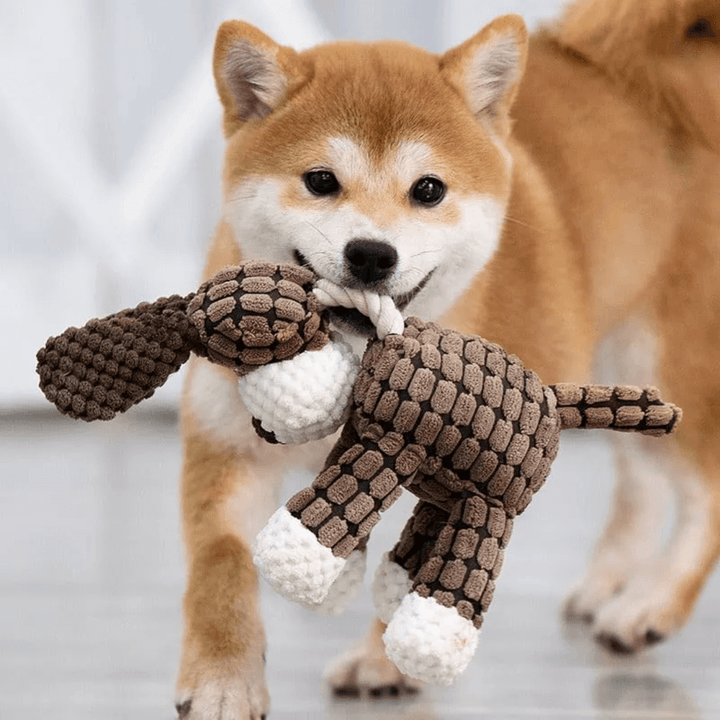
252 72
487 69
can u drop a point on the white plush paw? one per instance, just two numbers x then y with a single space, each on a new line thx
391 583
429 641
345 587
294 563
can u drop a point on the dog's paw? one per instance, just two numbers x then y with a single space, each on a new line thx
637 618
589 595
231 691
365 670
224 698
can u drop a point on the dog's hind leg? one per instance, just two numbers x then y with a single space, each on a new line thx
659 597
631 536
642 497
685 302
364 670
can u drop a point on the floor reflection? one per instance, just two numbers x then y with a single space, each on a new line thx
620 692
419 708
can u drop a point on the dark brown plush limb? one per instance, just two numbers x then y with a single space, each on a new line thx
418 537
346 499
467 558
109 365
247 315
615 407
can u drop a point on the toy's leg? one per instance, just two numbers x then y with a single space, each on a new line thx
433 634
306 545
395 575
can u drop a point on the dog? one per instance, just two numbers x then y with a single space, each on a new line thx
546 192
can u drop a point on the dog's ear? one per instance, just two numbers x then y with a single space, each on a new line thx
252 72
487 69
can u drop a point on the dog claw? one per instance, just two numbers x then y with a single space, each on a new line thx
183 709
653 637
613 644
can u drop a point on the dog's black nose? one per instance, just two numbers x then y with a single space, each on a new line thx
370 260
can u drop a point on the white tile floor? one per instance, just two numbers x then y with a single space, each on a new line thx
91 577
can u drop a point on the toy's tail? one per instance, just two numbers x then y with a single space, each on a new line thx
619 407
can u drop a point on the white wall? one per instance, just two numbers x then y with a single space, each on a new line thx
110 146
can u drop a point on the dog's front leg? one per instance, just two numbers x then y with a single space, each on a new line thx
230 484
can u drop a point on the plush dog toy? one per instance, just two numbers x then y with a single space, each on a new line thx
452 418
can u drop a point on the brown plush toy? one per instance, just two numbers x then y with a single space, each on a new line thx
452 418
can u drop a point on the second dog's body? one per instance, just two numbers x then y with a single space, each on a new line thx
383 166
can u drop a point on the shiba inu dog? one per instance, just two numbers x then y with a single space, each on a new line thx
546 193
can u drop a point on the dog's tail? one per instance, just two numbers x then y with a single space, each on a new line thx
619 407
666 51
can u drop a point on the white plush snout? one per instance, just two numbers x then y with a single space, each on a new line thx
305 398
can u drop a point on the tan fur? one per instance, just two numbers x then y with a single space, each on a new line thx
612 212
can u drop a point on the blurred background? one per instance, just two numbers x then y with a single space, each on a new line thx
111 149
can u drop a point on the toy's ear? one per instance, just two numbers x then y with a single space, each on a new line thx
109 365
487 69
252 72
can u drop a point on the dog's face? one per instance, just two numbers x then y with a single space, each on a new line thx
380 166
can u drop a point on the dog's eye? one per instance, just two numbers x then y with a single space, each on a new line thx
321 182
428 191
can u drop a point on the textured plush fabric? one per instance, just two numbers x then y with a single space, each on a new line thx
253 314
452 418
109 365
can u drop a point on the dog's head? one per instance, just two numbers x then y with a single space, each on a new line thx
379 165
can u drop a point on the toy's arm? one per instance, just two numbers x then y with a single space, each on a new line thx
246 316
305 545
109 365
